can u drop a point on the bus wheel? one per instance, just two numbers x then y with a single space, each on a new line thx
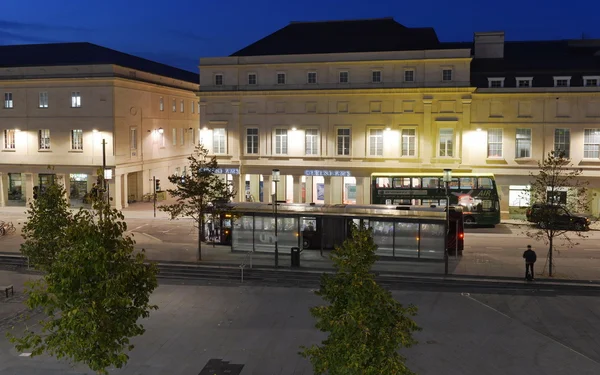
470 220
305 244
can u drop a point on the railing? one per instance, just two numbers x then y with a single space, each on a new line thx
245 262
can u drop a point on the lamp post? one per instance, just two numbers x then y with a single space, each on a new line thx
275 176
447 178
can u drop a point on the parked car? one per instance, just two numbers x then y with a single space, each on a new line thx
556 217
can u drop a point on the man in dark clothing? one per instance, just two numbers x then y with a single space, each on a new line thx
530 258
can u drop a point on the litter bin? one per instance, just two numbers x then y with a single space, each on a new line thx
295 257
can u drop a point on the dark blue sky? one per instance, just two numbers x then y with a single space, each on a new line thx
178 32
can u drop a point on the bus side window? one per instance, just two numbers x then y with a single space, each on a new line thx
382 182
416 183
485 183
454 183
430 182
402 183
468 182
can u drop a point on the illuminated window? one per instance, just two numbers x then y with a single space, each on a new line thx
591 143
76 139
192 107
181 106
9 139
219 141
75 99
281 141
174 136
409 142
161 104
44 139
311 77
311 141
494 143
8 100
133 138
376 142
182 137
343 142
523 143
562 141
252 141
446 143
43 103
174 105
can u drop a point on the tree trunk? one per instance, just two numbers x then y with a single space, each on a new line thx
550 258
200 227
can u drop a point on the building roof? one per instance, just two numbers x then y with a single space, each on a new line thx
366 35
64 54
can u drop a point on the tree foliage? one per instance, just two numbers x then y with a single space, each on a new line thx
199 192
94 289
365 325
556 173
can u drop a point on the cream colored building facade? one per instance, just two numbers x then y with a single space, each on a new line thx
53 120
330 120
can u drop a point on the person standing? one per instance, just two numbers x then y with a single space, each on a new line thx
530 258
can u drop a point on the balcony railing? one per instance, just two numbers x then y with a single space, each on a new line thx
335 86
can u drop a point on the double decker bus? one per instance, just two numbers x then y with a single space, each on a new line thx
475 192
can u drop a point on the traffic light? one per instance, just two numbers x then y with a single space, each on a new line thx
157 186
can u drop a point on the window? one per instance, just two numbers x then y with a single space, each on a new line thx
344 77
43 99
174 136
447 75
311 77
409 142
591 143
192 107
9 139
252 141
161 104
591 81
75 99
192 136
376 76
495 82
182 137
281 78
8 100
281 141
76 139
219 141
494 143
181 106
311 141
218 79
409 75
562 141
161 139
44 139
252 78
524 81
446 143
343 141
562 81
174 105
376 142
133 138
523 143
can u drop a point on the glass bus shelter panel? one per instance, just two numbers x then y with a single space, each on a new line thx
406 240
334 231
264 234
432 241
242 233
383 236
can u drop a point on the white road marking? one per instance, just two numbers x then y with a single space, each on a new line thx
596 249
150 236
141 226
494 247
25 355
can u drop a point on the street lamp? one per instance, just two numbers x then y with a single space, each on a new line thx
447 179
276 177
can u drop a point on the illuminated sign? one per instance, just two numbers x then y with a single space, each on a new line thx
316 172
223 170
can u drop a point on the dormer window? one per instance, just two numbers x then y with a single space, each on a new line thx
524 82
591 81
562 81
495 83
218 79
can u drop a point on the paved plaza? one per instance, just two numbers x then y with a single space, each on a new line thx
262 329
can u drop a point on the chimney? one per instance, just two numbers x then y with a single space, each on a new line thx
489 45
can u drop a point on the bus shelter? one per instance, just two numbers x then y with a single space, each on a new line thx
409 232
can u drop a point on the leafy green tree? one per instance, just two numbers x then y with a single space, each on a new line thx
198 193
556 173
47 217
366 325
95 288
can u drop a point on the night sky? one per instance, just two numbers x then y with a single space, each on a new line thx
178 32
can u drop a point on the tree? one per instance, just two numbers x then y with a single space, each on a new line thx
199 192
556 177
94 289
366 325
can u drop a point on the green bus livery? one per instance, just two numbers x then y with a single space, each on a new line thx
475 192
